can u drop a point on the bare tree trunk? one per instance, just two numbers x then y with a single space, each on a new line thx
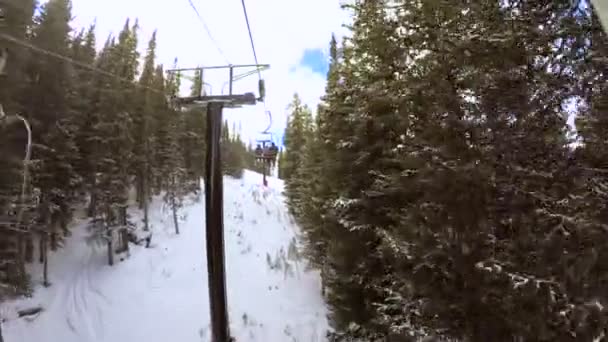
110 254
145 202
45 273
123 215
29 248
124 237
146 223
140 190
41 248
20 247
174 209
92 209
124 234
323 279
63 221
92 204
20 259
110 249
54 243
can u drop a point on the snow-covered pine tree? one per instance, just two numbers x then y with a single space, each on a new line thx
482 178
53 121
318 190
234 152
193 139
112 141
280 163
143 121
297 133
586 271
453 178
17 22
169 157
82 102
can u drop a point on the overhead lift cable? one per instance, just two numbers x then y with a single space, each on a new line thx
200 18
74 62
255 56
261 84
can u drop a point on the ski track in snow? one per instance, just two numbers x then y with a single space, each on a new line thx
160 293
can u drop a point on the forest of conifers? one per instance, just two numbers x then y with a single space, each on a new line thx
439 185
97 133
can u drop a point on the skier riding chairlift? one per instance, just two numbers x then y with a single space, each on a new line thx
258 151
272 151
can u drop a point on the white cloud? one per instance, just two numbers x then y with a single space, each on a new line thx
282 30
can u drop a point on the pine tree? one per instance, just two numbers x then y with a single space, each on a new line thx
170 161
143 118
314 219
85 125
312 193
281 164
586 272
485 177
82 103
447 173
17 22
233 152
52 121
298 131
113 141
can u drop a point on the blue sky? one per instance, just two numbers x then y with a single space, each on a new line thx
316 60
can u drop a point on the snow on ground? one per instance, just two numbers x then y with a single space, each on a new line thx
160 294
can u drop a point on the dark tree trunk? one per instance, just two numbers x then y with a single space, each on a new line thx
174 209
54 243
63 221
41 248
146 223
124 239
45 273
21 257
145 201
92 210
29 248
110 253
110 248
123 215
140 190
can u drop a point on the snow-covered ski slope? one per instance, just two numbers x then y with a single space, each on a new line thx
160 294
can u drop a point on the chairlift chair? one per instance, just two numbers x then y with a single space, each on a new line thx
266 149
266 152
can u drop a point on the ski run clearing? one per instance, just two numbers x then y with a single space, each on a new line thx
160 294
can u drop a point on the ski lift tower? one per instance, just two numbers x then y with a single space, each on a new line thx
214 104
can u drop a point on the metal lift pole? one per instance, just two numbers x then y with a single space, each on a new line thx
214 221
